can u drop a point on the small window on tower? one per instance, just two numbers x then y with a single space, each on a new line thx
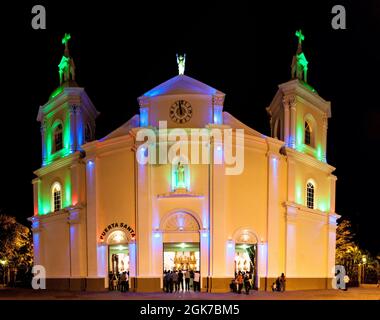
56 197
308 132
310 195
58 141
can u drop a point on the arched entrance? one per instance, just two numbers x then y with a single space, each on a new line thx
182 248
118 257
246 253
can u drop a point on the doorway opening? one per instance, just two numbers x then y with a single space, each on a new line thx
181 266
118 259
246 261
181 256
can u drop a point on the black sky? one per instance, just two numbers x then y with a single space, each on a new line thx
243 50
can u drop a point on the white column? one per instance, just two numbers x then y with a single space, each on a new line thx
38 245
143 224
36 187
77 244
332 179
285 104
293 122
275 257
324 138
291 180
72 126
331 244
291 242
204 239
43 141
218 234
262 261
79 128
92 166
157 258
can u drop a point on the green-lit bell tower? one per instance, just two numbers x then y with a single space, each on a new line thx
68 118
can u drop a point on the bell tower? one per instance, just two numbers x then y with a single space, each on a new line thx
68 118
298 115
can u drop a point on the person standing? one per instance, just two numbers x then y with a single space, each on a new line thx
167 281
282 282
247 283
175 280
346 280
187 280
123 282
164 281
171 283
197 277
180 280
192 279
239 281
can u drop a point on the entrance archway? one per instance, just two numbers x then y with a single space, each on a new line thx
118 257
246 256
182 248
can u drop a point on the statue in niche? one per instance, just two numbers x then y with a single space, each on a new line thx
180 172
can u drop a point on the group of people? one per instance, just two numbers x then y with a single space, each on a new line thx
119 282
279 284
242 279
175 281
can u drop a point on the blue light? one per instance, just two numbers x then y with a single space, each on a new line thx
90 163
204 235
218 115
143 117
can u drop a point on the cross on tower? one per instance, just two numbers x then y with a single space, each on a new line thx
65 39
300 36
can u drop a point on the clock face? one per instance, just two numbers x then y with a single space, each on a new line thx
181 111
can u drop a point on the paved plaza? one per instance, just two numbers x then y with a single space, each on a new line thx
368 292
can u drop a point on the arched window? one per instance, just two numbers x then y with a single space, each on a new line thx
308 133
58 140
56 197
310 190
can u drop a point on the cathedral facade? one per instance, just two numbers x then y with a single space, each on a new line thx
136 201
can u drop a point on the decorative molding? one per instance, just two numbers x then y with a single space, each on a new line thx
180 193
180 221
309 160
144 102
217 100
59 163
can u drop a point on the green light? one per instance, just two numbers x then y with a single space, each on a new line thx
66 133
56 92
300 36
298 195
66 38
67 199
319 152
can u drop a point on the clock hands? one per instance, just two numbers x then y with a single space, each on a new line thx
180 108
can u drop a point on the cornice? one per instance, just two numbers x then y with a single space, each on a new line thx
309 160
58 164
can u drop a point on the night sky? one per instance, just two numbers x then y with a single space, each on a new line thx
245 51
